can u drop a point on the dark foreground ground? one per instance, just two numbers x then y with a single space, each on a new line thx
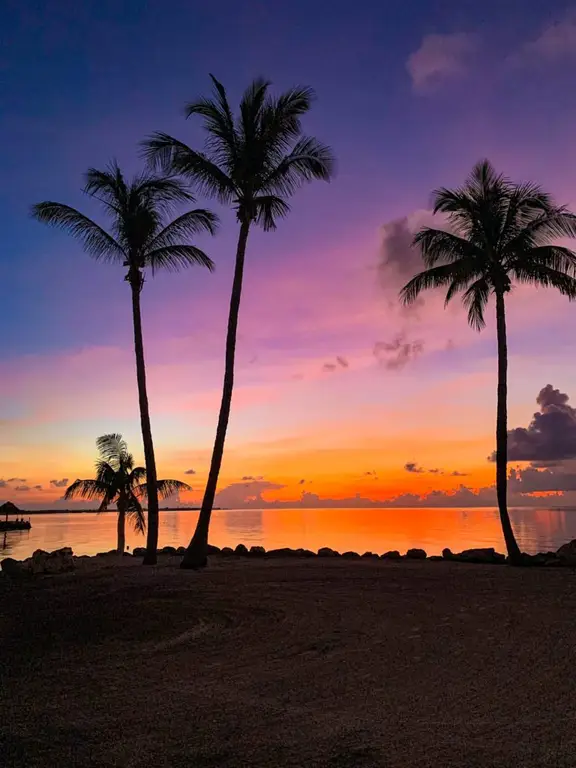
290 663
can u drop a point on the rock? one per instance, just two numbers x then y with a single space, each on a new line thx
126 554
351 555
327 552
306 553
567 553
139 551
282 552
168 551
226 551
179 551
211 550
241 549
13 568
435 558
59 561
257 551
416 554
486 555
393 554
447 554
369 554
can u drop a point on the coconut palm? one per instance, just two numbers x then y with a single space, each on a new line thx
500 234
142 237
119 482
252 161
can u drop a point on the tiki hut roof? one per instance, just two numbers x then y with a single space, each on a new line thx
9 509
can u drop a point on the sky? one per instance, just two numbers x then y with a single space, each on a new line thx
342 397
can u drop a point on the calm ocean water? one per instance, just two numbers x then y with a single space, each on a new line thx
360 530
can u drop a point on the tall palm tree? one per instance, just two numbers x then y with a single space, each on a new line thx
141 237
252 161
500 234
119 481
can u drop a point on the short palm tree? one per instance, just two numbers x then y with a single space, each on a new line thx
500 234
252 161
142 237
119 482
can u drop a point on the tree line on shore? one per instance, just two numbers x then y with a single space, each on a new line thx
494 233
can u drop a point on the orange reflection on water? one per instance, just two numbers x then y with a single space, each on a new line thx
360 530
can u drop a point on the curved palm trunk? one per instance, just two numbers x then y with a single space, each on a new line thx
121 530
502 433
196 554
136 282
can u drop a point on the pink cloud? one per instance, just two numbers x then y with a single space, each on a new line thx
440 57
556 41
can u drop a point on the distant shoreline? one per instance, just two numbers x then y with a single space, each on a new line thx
463 508
81 511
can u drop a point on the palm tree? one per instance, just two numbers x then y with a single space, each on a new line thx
501 233
141 238
119 481
252 161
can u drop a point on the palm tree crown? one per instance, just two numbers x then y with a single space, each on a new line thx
501 233
140 236
253 160
119 482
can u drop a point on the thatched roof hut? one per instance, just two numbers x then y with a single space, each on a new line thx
8 509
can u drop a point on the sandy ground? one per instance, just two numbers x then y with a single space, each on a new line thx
290 663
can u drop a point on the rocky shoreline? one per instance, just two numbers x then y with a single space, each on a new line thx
62 560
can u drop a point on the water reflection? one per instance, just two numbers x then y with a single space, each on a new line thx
358 529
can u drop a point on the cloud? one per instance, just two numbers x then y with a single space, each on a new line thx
245 494
551 435
301 482
37 487
411 466
22 488
248 477
59 483
396 354
440 58
532 480
557 41
190 472
329 367
397 254
436 471
3 484
342 362
458 474
16 480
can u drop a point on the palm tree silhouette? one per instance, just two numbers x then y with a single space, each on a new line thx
119 481
141 238
501 233
253 162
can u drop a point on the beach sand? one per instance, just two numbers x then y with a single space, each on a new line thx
319 662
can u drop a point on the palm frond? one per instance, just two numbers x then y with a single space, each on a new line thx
112 447
557 223
268 208
165 488
437 245
134 511
458 272
190 223
223 138
160 192
95 240
251 106
86 489
542 275
308 160
173 258
161 150
475 300
553 256
109 186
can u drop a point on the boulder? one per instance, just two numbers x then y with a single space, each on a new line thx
567 553
226 551
179 551
369 554
210 549
59 561
13 567
305 553
435 558
241 549
486 555
139 551
282 552
416 554
257 551
393 554
327 552
447 554
351 555
168 551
